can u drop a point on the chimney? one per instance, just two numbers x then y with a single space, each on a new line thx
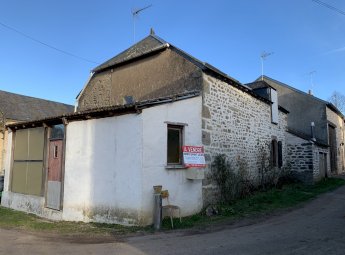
310 92
313 132
152 32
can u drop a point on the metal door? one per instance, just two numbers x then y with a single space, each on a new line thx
54 174
322 165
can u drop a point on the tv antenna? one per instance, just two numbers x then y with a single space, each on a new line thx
263 57
135 14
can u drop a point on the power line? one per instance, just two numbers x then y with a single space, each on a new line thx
47 45
329 6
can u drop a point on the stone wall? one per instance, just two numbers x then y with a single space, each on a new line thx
303 157
300 157
236 124
316 157
337 120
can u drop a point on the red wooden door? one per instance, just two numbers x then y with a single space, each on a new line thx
54 174
55 160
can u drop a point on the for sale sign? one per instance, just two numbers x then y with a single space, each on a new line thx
193 156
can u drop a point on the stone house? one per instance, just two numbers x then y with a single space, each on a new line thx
231 112
315 134
133 116
15 107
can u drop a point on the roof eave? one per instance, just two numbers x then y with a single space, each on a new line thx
104 112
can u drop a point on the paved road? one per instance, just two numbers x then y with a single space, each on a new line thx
316 228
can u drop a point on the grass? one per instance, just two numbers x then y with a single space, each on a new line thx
260 202
11 219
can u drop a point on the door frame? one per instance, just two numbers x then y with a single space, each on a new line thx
333 150
46 162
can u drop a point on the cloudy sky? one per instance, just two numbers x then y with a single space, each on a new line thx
47 48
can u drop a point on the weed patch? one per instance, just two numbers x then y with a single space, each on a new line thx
261 202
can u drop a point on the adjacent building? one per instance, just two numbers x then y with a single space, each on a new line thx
315 134
16 108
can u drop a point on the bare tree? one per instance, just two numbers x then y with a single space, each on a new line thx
338 100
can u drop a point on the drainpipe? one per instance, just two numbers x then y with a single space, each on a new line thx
157 209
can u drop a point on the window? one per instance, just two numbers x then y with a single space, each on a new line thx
56 151
175 142
57 132
274 107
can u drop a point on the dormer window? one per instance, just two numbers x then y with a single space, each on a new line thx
274 107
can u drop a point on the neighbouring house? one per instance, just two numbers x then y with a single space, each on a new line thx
15 107
133 116
315 134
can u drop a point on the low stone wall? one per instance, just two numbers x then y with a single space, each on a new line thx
303 157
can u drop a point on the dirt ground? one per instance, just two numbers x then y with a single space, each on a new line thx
317 227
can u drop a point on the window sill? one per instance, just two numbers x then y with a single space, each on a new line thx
172 167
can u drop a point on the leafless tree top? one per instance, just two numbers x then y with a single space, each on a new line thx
338 100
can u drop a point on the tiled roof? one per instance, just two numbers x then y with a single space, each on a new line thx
258 84
147 45
153 44
104 112
328 104
24 108
306 137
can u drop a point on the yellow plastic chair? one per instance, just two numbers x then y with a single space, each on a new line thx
170 208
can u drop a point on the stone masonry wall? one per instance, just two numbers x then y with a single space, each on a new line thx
303 157
335 119
300 157
236 124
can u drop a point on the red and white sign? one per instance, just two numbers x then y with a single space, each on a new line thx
193 156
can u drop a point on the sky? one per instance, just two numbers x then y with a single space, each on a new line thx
306 38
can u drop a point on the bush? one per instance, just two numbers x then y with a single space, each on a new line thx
269 175
231 184
234 181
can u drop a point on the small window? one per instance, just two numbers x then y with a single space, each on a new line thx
274 107
56 151
174 150
57 132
